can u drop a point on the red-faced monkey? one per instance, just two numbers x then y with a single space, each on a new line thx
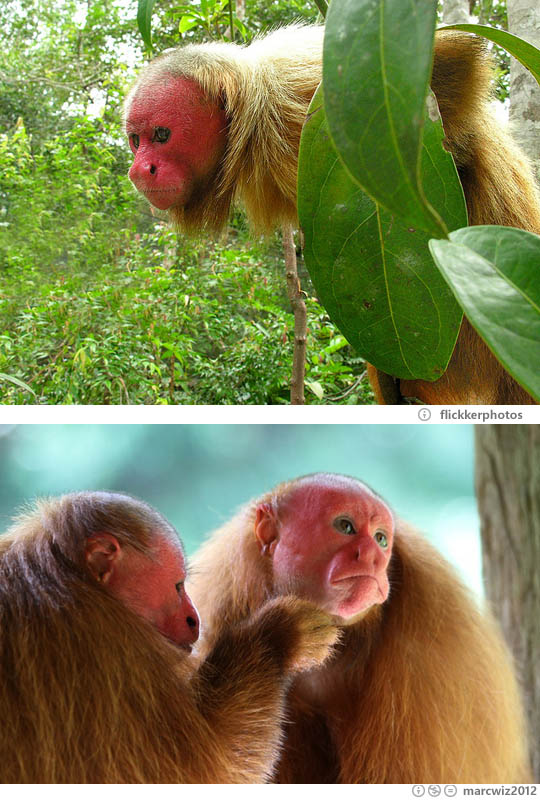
214 122
96 681
420 688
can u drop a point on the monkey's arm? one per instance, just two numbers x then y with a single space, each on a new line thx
240 687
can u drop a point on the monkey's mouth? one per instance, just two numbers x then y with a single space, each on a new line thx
164 199
185 647
350 579
167 190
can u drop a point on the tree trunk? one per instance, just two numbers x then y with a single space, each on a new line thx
241 9
455 11
524 21
508 493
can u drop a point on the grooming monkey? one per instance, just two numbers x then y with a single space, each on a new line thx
97 684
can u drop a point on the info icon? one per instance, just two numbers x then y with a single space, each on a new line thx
418 790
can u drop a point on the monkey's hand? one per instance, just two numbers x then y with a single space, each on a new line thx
297 630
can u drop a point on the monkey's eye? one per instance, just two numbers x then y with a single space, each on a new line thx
382 539
135 140
180 586
161 134
344 525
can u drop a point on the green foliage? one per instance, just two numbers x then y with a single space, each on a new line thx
195 21
97 304
213 19
60 202
373 273
371 268
213 328
63 57
369 260
214 16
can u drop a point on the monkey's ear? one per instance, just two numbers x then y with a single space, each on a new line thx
101 552
266 529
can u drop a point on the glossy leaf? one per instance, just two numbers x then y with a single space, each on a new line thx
372 272
144 21
377 65
494 273
523 51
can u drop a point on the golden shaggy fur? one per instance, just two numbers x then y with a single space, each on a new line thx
422 689
91 693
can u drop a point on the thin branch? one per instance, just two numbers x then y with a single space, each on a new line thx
231 19
355 385
294 291
88 82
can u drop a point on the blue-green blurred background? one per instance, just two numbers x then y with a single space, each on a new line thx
198 475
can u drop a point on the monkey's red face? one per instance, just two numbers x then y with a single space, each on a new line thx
178 138
333 547
153 587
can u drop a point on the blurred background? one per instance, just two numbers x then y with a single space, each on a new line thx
198 475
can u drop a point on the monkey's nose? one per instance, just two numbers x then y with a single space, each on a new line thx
193 625
140 172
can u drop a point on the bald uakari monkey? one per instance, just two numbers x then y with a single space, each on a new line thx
421 687
216 122
97 684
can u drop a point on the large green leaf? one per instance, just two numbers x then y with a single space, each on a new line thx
523 51
495 274
377 66
144 21
373 274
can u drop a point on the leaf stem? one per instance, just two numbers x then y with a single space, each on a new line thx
322 5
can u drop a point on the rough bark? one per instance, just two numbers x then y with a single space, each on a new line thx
455 11
508 492
524 21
